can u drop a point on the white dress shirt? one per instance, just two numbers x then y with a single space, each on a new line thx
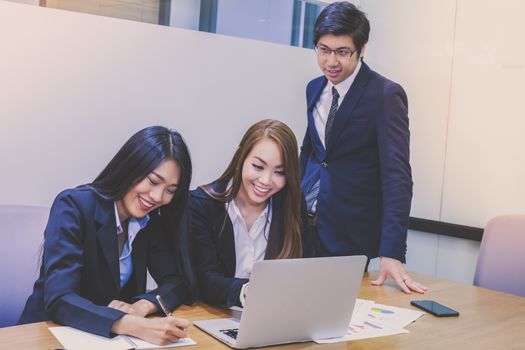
250 245
322 107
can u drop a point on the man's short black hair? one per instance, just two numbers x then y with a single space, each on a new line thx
343 18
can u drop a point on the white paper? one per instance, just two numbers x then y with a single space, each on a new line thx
370 320
367 331
391 316
74 339
141 344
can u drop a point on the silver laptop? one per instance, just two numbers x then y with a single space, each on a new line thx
293 300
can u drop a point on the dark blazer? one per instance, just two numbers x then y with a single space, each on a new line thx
214 251
80 272
365 177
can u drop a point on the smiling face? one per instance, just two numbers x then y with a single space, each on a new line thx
155 190
336 69
262 174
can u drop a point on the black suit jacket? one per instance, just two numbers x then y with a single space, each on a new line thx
80 271
211 231
365 177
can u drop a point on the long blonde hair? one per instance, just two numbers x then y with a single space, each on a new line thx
285 139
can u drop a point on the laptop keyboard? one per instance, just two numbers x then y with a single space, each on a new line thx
230 332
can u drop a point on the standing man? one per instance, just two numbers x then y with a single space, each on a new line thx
355 154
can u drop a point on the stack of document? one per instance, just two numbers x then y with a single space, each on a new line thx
371 320
74 339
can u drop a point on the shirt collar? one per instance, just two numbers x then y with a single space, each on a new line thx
142 222
343 87
117 219
235 212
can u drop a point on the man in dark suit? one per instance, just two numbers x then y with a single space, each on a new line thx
355 166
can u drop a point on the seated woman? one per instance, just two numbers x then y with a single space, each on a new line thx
101 237
253 211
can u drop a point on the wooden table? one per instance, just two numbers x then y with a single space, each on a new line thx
488 320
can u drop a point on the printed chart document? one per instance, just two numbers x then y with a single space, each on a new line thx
74 339
371 320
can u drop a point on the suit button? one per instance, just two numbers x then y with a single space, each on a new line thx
324 164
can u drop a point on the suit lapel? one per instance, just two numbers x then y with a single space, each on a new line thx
107 237
316 141
139 258
344 113
275 236
317 89
224 229
227 245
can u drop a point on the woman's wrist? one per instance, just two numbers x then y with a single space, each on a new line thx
144 307
127 324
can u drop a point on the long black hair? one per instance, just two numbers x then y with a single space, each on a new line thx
137 158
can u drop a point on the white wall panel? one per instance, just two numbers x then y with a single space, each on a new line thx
457 259
485 161
74 87
411 43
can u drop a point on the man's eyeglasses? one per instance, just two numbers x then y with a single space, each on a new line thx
342 52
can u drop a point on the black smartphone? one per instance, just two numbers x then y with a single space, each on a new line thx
434 308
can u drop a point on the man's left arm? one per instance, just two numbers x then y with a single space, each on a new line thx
396 185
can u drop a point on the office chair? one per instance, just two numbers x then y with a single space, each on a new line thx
22 234
500 262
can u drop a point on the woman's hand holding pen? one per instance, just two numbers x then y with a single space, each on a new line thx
160 331
164 330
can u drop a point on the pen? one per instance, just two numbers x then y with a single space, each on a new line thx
166 311
163 306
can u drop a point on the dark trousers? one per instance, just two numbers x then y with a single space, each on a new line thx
321 251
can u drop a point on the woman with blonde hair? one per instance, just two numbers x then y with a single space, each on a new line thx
253 211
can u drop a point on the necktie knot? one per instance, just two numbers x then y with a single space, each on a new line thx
335 94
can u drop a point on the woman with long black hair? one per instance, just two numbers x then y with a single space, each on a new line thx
102 237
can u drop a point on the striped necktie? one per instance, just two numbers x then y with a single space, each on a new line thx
313 193
331 115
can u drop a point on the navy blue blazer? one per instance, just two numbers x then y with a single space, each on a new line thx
80 271
214 251
365 177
